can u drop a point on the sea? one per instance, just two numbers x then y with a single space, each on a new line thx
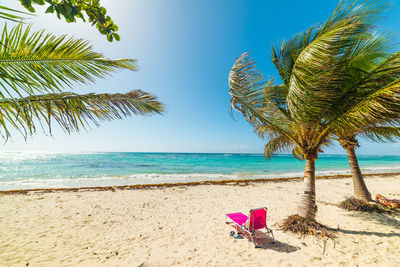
30 170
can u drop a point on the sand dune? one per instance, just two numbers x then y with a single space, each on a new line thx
186 226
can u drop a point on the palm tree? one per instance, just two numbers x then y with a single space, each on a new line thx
371 57
264 105
35 67
316 98
349 142
371 54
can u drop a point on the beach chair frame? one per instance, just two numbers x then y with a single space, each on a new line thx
251 231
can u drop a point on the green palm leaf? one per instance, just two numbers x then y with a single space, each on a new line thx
312 64
251 95
11 14
279 144
381 133
71 111
40 62
377 106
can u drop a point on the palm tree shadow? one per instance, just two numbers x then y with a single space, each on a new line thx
264 241
392 220
355 232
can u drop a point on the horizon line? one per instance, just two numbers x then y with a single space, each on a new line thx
161 152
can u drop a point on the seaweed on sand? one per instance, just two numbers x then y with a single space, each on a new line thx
354 204
303 226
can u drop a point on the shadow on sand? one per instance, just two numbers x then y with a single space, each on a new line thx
265 241
277 246
392 220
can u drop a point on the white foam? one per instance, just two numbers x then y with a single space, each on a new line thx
134 179
154 178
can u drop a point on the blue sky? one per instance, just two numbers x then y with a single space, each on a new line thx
185 50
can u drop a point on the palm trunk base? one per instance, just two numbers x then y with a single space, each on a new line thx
307 206
360 188
354 204
305 226
363 197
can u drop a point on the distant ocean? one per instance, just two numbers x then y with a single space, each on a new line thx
21 170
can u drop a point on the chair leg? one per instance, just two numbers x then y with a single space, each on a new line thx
252 240
272 233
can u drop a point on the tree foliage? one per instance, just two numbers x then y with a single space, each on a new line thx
338 77
41 62
11 14
70 10
35 68
72 111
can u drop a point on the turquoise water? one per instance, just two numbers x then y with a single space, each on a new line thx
39 170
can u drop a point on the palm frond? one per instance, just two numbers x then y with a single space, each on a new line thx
285 54
368 53
371 70
11 14
387 70
275 97
71 111
311 64
362 60
380 106
381 133
41 62
276 145
318 72
297 153
248 89
367 11
327 143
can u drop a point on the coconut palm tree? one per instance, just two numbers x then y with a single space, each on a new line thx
371 57
362 60
316 98
349 142
35 68
264 105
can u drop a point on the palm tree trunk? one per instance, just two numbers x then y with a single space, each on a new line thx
360 188
307 208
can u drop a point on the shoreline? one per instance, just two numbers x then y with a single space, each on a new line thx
166 185
52 171
179 225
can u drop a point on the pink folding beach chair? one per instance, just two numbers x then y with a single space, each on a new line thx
256 220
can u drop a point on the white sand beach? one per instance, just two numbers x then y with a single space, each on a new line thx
185 225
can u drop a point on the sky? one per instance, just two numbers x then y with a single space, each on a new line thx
185 50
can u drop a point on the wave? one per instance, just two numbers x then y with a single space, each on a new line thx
133 179
64 169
